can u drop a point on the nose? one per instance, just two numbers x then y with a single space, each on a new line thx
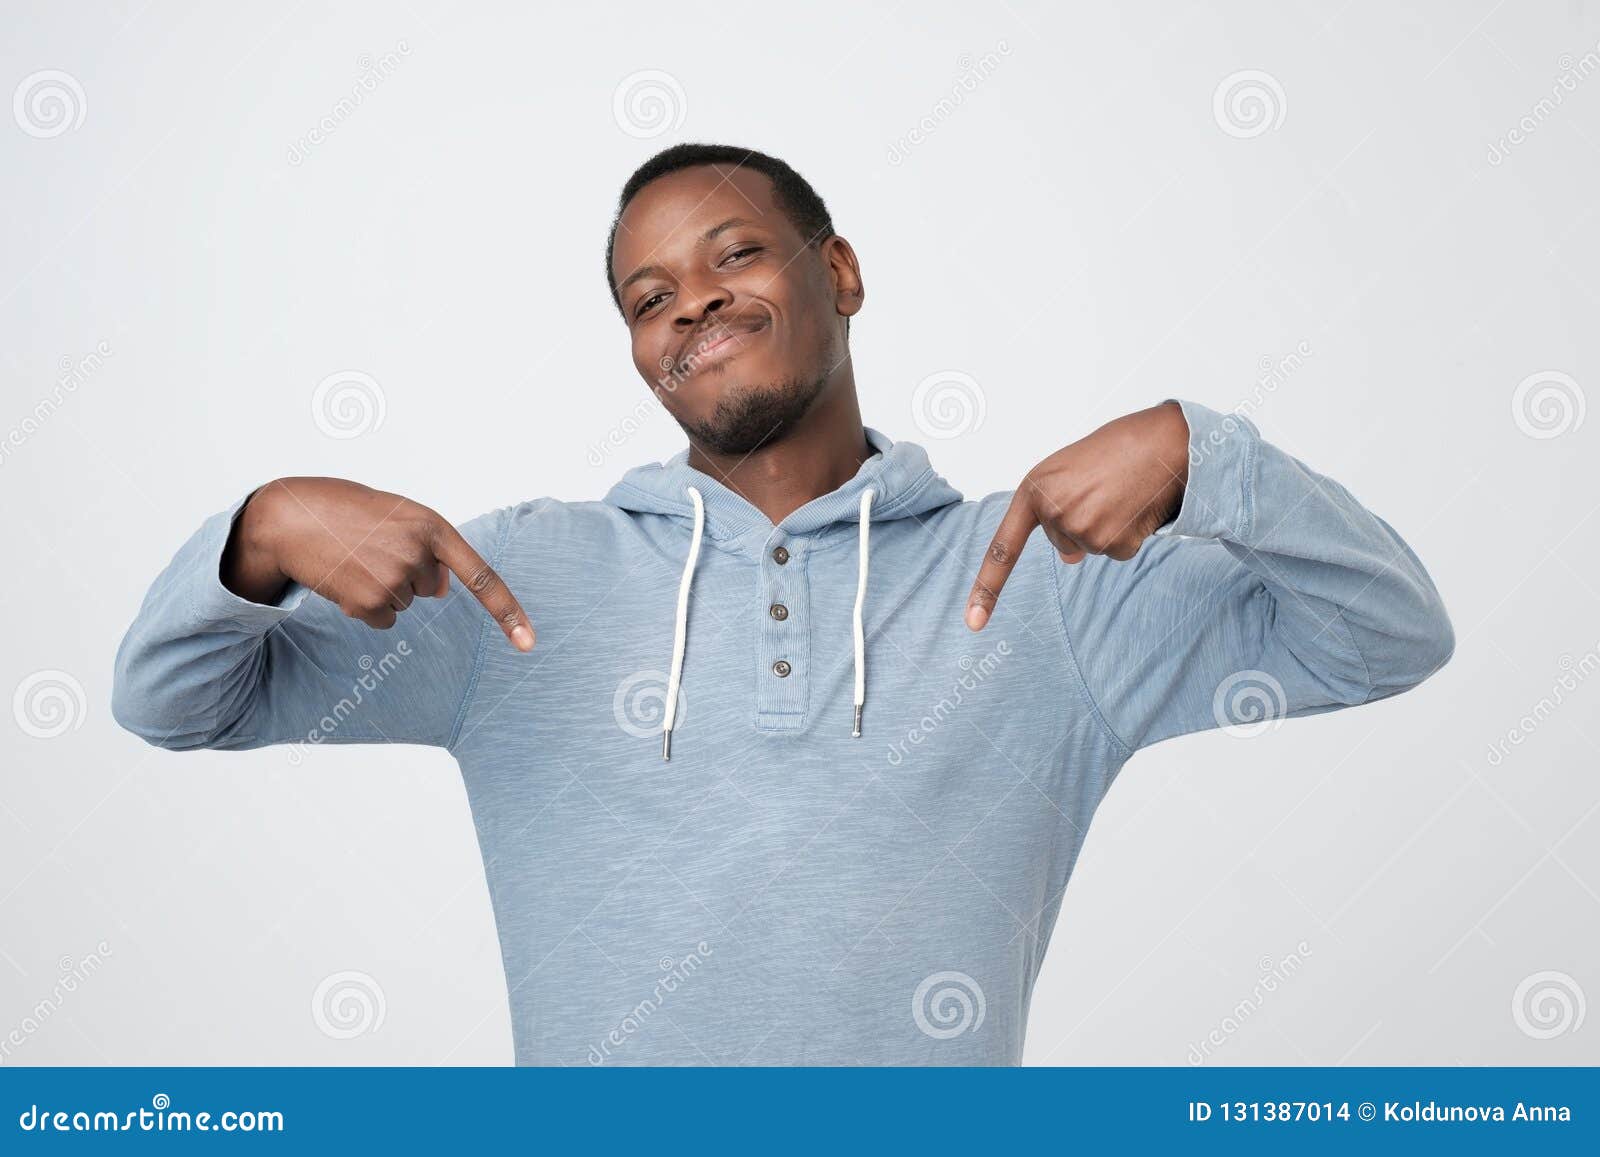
695 306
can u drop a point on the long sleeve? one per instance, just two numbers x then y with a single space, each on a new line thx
201 667
1273 593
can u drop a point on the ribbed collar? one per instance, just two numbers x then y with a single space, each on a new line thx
899 473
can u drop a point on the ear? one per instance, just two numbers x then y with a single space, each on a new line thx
848 292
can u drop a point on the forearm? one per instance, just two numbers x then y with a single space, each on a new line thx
206 664
1350 598
186 669
1271 591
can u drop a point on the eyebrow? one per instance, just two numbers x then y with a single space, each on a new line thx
709 235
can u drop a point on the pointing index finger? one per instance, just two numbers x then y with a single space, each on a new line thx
484 583
1009 539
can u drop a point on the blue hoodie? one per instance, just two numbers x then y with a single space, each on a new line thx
782 890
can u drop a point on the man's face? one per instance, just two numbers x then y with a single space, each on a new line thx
735 321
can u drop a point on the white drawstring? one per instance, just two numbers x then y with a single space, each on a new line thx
681 629
861 599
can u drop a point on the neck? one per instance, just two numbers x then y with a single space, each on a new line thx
815 456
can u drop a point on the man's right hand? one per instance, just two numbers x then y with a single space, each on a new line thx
369 551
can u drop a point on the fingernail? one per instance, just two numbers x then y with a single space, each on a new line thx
522 637
977 616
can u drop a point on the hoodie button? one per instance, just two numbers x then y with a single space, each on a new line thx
779 611
781 668
780 555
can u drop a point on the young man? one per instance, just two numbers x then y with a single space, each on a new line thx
841 829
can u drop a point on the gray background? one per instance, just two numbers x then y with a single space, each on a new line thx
1082 232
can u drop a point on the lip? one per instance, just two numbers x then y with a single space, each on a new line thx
717 344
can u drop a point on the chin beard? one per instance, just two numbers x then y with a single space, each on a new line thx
750 417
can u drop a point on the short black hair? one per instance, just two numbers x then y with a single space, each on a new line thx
791 192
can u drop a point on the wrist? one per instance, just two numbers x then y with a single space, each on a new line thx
1174 455
249 560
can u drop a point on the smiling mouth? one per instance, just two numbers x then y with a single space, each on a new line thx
717 344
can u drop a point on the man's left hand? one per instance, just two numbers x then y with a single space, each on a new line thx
1104 494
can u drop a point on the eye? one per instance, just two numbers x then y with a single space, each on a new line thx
737 253
644 305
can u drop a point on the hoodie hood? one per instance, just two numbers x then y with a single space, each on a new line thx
903 482
897 481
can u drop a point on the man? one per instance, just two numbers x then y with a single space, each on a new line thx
840 830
